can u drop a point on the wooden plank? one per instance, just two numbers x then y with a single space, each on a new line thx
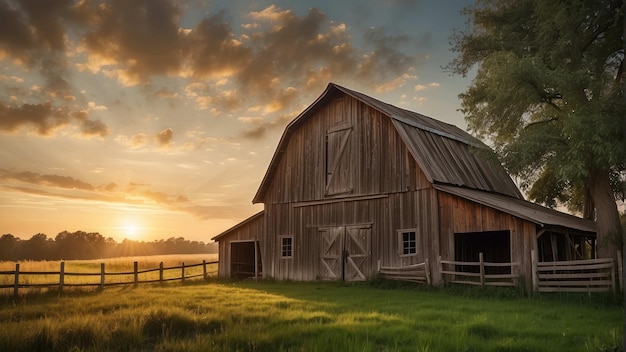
576 262
574 267
575 283
575 275
574 289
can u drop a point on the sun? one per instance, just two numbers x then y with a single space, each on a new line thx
131 231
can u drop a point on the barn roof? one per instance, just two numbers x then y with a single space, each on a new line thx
445 153
239 225
522 209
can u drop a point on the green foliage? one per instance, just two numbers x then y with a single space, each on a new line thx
277 316
548 91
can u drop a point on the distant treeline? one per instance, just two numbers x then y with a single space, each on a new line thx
92 245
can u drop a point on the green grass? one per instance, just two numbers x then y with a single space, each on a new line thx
287 316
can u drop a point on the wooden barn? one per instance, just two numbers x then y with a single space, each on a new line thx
356 184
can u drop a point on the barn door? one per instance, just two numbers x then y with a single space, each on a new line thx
357 249
345 253
332 253
338 167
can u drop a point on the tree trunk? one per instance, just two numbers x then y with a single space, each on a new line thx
607 217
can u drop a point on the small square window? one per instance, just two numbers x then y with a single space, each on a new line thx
407 242
286 247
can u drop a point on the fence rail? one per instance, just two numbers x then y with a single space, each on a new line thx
414 273
479 278
19 281
591 275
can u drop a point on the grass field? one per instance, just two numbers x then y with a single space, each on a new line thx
279 316
112 265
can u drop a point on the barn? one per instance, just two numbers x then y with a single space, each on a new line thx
357 184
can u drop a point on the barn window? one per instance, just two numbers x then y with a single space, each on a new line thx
286 247
407 240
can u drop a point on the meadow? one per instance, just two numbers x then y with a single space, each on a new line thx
318 316
112 265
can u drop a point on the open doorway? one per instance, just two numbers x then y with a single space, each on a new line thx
245 260
495 246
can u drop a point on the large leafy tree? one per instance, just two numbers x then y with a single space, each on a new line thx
549 95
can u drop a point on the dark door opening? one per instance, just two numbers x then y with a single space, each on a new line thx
495 246
242 260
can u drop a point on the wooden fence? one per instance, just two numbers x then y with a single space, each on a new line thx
414 273
61 283
476 275
591 275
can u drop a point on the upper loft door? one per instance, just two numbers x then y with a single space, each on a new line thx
339 172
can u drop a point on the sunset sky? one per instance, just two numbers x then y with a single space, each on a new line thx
156 119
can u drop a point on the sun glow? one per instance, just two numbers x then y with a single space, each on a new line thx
130 229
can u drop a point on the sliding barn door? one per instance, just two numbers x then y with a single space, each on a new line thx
345 253
332 253
357 248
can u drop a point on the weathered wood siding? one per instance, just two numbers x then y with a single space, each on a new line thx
250 231
458 215
374 159
376 186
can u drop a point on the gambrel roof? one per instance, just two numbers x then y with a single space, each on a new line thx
445 153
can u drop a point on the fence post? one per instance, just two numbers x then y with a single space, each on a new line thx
427 269
533 260
613 277
440 266
16 287
61 277
182 274
102 276
620 270
204 270
135 274
482 269
161 272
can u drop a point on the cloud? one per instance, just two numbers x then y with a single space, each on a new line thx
420 87
45 119
49 185
135 141
143 36
164 138
274 60
261 128
213 49
47 180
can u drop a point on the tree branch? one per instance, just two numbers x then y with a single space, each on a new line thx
534 123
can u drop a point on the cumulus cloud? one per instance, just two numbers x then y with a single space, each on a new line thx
164 138
273 60
143 36
44 118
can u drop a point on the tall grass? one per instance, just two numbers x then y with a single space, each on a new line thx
112 265
266 316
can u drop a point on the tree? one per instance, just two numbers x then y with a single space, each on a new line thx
549 95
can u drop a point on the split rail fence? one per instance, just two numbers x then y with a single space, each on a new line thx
477 274
23 279
592 275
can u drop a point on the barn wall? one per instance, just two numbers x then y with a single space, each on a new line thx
374 159
253 230
384 215
458 215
